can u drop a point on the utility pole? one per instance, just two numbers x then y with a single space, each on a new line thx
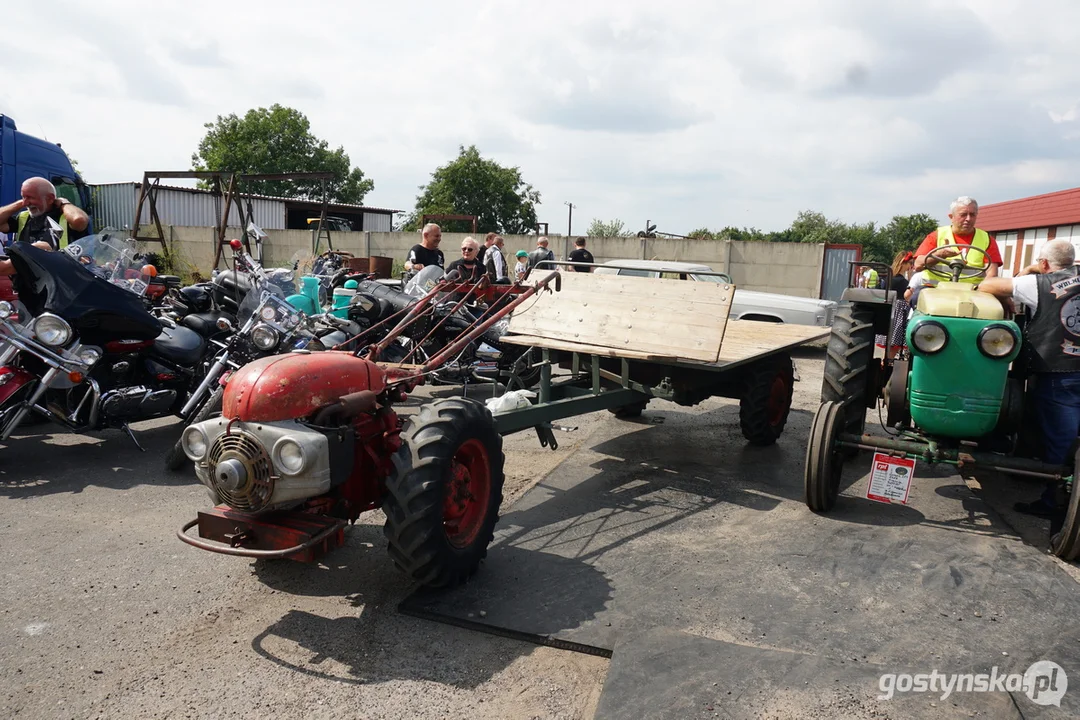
570 218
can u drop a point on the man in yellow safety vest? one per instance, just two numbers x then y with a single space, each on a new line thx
29 216
962 231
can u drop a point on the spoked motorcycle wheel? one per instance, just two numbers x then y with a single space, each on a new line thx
443 499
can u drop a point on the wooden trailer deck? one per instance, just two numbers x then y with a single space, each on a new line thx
674 322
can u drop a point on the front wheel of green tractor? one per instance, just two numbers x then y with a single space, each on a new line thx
766 401
849 358
443 499
1066 542
824 461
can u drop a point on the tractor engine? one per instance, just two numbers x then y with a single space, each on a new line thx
295 428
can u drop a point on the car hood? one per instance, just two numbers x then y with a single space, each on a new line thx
776 300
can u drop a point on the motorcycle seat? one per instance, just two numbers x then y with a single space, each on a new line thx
181 345
205 323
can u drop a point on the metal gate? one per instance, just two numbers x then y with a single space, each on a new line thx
836 269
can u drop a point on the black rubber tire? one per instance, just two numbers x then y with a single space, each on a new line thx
627 412
1066 542
762 416
416 492
175 459
847 363
824 463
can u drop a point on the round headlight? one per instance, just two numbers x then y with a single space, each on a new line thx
930 337
996 341
89 354
194 443
5 310
52 330
264 337
289 456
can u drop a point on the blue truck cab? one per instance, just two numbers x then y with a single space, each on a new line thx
23 156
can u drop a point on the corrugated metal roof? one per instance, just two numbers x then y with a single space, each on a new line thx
1056 208
367 208
179 206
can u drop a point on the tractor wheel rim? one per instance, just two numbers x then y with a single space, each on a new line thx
778 398
468 494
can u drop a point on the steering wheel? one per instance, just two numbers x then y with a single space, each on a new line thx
957 264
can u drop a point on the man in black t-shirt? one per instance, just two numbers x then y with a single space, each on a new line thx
427 252
581 255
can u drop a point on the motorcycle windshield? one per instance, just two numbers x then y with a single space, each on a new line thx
99 310
422 283
272 309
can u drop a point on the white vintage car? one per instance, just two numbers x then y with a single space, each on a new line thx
746 305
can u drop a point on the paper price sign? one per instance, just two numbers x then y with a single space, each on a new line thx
890 479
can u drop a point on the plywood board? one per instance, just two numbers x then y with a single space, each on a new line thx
744 340
667 318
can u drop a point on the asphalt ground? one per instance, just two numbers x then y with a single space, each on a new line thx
667 541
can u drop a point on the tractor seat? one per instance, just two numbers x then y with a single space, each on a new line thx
960 300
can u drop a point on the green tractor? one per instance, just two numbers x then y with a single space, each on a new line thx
957 397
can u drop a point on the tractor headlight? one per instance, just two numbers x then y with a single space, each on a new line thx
264 337
996 341
52 330
6 310
194 443
930 337
289 456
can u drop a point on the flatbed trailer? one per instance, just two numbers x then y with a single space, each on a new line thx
627 340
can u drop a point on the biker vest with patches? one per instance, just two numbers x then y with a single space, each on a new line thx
1054 333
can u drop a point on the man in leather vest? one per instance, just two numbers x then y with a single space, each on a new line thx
1050 290
963 212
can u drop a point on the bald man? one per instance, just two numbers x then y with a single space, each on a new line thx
29 216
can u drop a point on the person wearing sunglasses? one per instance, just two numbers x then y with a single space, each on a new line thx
467 266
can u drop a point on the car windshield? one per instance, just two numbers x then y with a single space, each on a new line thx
708 278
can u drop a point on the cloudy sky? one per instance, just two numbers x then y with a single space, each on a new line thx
689 114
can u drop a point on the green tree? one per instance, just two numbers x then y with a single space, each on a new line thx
279 140
471 185
599 228
902 233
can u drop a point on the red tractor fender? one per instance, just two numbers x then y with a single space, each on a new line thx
294 385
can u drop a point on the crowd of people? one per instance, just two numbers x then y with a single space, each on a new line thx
490 258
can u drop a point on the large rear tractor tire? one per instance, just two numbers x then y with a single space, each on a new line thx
175 459
766 402
824 462
848 361
443 499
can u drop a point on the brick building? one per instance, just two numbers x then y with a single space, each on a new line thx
1022 226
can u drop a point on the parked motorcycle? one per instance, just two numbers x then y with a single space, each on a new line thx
82 350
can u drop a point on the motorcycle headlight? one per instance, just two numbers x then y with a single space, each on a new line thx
930 337
89 354
996 341
289 456
264 337
194 443
6 310
52 330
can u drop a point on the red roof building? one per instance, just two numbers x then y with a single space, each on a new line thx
1022 226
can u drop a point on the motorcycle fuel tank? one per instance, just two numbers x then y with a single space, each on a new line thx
286 387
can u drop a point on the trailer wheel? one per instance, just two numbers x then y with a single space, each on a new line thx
443 498
626 412
1066 542
175 459
847 363
766 402
824 462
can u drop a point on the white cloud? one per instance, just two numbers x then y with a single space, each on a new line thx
686 114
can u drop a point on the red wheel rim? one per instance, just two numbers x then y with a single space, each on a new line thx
468 494
778 400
